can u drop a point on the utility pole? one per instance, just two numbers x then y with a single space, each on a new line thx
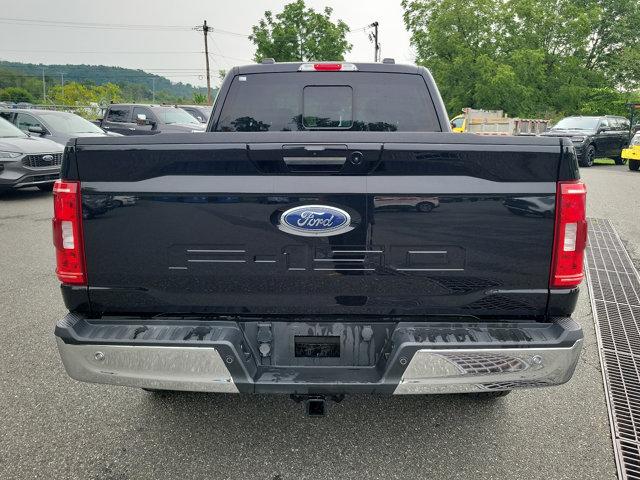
153 89
44 88
62 79
205 30
376 45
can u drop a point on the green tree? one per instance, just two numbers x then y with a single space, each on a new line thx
74 93
108 93
12 78
199 99
138 83
299 33
529 57
16 94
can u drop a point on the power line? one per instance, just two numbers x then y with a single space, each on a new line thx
108 77
293 37
226 57
146 72
124 26
206 29
20 69
108 26
227 32
175 52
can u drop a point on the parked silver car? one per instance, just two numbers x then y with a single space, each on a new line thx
53 125
27 161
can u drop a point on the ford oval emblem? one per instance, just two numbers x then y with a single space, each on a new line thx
47 158
315 221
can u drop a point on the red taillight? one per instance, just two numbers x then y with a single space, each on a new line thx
570 238
327 67
67 232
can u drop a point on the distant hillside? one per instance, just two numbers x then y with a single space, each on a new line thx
100 74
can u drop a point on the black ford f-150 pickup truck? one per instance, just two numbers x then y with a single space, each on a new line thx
289 249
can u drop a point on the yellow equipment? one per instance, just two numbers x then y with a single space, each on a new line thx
632 154
458 123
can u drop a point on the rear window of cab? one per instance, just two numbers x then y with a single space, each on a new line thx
356 101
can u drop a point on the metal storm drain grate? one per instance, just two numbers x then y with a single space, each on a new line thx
614 288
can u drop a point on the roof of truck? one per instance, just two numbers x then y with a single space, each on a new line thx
280 67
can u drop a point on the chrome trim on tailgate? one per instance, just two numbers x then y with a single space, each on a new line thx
294 184
197 369
481 370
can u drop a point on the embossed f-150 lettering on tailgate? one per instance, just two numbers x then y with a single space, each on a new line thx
411 258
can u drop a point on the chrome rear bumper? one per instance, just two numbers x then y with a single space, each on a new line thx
481 370
164 368
407 358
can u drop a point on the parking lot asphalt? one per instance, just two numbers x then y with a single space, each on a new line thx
54 427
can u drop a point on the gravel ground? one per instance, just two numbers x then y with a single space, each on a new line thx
54 427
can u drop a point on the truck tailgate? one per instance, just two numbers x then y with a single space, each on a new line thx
438 224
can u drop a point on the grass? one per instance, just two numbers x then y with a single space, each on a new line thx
605 161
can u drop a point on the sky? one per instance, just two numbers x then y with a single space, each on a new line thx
118 32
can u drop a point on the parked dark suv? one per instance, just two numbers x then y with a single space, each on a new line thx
199 112
593 137
135 119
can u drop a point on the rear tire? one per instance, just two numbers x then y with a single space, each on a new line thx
425 207
47 187
634 165
589 157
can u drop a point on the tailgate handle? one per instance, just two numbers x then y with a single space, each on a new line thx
317 154
310 157
314 160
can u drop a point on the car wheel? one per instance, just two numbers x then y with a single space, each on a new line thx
619 160
634 165
46 187
589 157
424 207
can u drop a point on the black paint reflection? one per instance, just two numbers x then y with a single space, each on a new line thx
296 123
96 205
531 206
400 203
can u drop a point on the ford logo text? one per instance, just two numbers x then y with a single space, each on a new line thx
315 221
